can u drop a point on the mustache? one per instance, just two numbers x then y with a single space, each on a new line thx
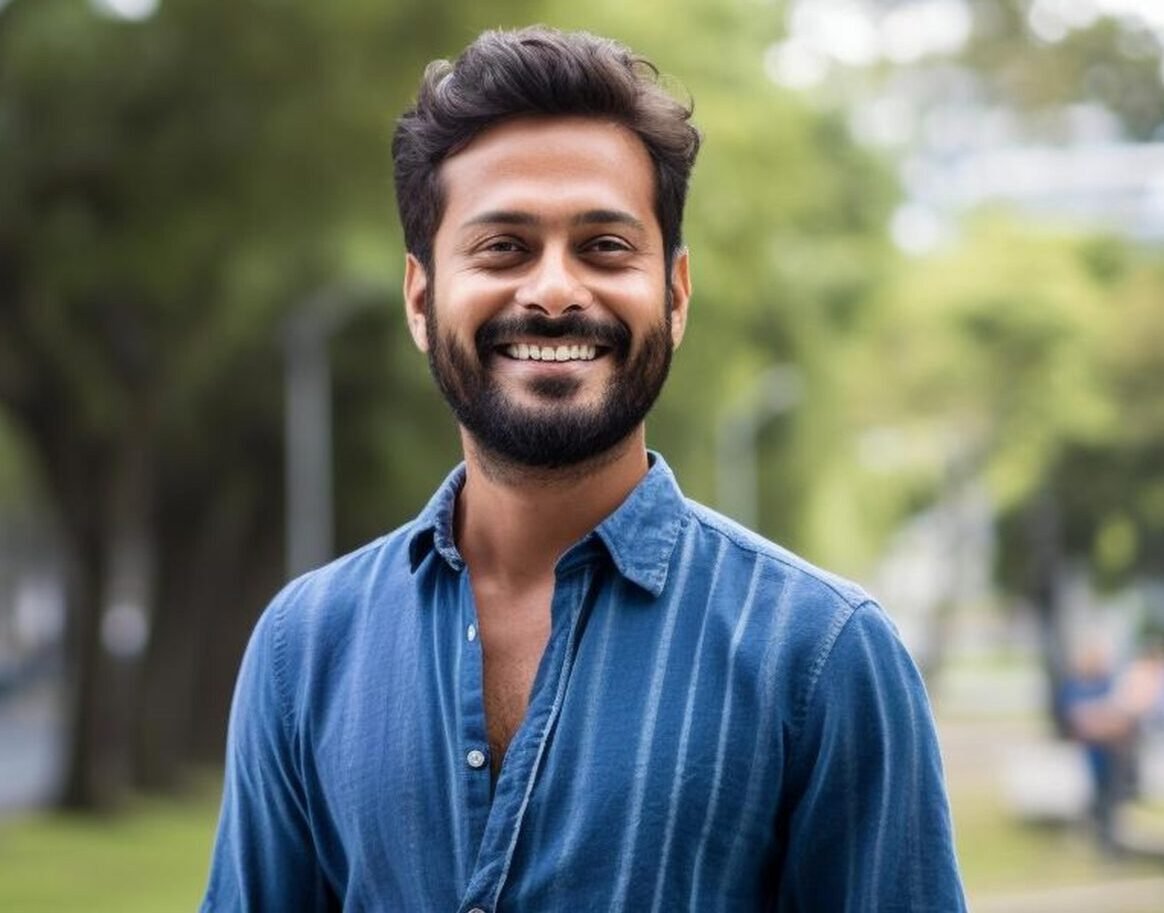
610 334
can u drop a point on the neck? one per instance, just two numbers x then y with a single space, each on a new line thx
514 522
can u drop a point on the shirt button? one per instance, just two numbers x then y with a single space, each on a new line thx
476 760
476 910
472 635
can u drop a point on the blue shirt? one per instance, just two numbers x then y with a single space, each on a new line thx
715 726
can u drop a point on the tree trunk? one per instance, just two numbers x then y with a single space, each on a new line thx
201 571
256 574
90 771
166 696
111 594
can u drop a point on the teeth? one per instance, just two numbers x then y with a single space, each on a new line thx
524 351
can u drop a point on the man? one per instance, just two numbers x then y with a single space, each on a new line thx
563 686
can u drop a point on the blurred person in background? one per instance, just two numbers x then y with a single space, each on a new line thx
564 685
1106 712
1141 689
1107 747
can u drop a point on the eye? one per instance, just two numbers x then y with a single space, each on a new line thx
502 246
499 251
608 244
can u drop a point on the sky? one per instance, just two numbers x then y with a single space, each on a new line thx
826 33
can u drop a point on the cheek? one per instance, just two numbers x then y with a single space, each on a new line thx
636 298
468 300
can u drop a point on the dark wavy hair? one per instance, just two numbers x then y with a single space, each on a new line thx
537 71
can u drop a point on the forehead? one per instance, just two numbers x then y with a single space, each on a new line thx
549 167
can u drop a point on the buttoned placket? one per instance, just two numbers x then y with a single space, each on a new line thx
474 745
496 823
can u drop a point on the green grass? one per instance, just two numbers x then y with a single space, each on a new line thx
998 854
151 860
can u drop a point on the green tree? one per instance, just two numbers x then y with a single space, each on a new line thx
1024 358
172 188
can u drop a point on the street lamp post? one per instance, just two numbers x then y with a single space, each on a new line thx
774 392
308 422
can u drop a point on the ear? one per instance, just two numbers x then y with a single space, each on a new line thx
415 289
680 294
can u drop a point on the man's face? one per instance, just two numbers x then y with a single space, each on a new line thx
547 315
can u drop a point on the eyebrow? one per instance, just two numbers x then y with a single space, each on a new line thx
590 217
607 217
502 217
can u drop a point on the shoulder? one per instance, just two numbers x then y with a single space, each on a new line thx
778 560
320 613
326 592
809 623
799 597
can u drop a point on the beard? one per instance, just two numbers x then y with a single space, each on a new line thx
554 433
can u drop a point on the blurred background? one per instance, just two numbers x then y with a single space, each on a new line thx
926 350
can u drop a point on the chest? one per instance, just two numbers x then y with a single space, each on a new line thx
514 628
649 753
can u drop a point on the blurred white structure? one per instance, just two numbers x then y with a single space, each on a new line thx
1118 186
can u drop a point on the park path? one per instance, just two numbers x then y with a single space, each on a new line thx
1139 895
980 753
31 751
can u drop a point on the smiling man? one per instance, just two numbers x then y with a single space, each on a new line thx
564 686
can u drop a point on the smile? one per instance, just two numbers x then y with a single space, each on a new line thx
524 352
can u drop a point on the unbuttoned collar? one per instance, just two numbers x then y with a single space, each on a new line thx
640 535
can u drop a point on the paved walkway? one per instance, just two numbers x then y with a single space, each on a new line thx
1041 780
1141 895
31 751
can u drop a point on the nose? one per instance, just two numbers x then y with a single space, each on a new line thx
554 284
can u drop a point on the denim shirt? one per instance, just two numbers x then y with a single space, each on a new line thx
715 725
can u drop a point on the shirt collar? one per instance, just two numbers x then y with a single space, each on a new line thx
433 528
640 535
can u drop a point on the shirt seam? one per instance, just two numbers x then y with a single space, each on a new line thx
278 671
824 654
852 602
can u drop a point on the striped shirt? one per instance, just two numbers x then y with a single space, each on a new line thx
715 726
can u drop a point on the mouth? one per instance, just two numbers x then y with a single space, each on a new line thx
570 339
523 351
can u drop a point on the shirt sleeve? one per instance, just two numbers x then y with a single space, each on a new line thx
264 855
870 830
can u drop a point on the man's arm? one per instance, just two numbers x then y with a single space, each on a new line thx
870 831
264 856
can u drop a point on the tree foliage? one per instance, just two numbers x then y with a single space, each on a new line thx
173 188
